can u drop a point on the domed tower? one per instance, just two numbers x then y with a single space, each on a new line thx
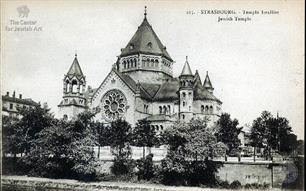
74 83
145 58
186 93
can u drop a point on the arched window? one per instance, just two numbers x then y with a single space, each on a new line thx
124 64
183 116
148 62
156 63
165 109
65 117
161 127
202 108
157 128
206 109
143 63
67 86
211 109
184 94
128 64
160 110
152 63
184 104
74 86
169 111
135 62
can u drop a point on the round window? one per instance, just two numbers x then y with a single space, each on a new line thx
113 105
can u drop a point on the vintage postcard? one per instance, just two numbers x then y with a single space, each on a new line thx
152 95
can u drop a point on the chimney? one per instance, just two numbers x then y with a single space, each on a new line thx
14 94
8 94
20 96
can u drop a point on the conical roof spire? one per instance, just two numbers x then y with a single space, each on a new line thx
145 13
207 83
75 69
145 41
186 69
197 78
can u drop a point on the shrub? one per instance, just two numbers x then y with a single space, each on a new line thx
235 185
202 173
145 168
266 186
122 166
173 169
224 184
248 186
257 186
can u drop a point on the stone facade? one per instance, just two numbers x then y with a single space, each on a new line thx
141 85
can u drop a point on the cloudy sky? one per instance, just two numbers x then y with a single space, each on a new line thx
254 66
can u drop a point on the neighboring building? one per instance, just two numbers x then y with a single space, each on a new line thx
10 104
244 137
141 85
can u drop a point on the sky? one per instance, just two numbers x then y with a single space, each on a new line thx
254 66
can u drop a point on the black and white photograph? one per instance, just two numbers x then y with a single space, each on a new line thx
143 95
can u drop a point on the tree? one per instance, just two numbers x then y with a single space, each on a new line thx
190 147
32 122
228 132
287 141
272 133
102 133
120 138
12 136
144 135
300 147
288 144
176 136
64 150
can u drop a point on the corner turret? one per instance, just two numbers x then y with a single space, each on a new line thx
186 93
74 83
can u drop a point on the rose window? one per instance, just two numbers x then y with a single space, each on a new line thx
113 105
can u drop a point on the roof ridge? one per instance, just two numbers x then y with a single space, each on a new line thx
159 89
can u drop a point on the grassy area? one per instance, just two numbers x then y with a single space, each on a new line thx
24 183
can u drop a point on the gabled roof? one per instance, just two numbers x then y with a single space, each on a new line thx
145 40
151 89
163 92
75 69
186 69
207 83
168 90
133 85
201 93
